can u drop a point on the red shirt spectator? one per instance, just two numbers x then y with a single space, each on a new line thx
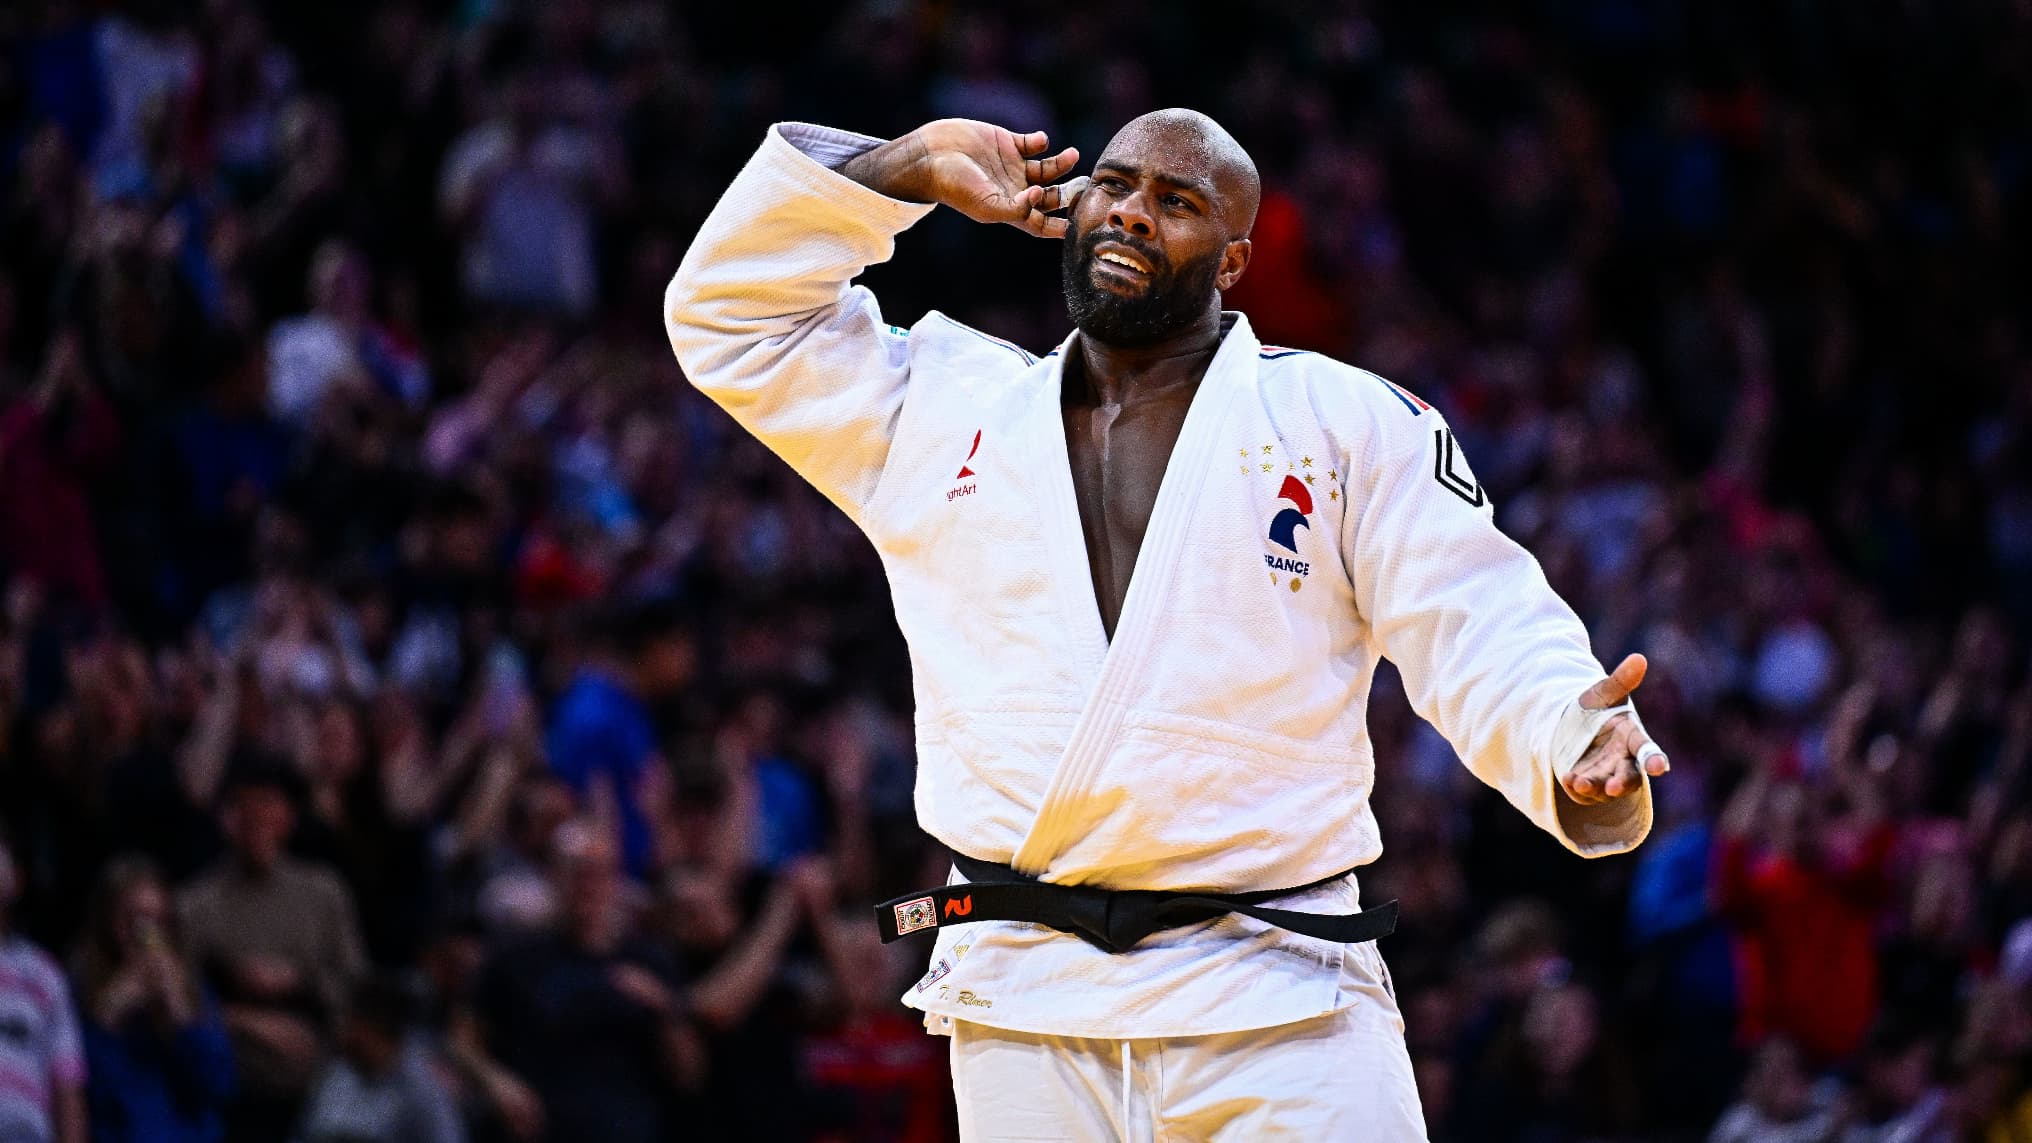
53 443
1806 926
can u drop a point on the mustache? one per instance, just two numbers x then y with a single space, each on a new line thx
1159 264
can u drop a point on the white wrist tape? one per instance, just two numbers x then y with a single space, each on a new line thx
1577 729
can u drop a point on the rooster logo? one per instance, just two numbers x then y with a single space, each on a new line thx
1284 526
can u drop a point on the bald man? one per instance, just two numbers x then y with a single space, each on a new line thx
1146 580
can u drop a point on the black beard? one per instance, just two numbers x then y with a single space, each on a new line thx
1177 296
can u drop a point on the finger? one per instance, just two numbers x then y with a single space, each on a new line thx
1644 756
1044 226
1652 760
1063 195
1617 686
1032 144
1050 168
1624 780
1580 785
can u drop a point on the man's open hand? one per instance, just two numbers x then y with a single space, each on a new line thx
1609 768
983 171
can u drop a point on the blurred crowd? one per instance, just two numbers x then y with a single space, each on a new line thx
423 717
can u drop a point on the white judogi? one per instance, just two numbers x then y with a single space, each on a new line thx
1312 518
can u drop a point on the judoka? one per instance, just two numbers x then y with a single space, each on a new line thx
1145 581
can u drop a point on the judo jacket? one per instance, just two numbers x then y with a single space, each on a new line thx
1313 518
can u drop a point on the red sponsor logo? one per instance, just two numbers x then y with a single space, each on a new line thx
964 470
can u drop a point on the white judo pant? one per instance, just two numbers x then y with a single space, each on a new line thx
1345 1075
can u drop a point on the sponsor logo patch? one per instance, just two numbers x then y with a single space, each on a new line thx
961 486
937 973
914 915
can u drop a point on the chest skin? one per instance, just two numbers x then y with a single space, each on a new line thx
1118 454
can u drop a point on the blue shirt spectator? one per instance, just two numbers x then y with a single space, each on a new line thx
601 736
160 1063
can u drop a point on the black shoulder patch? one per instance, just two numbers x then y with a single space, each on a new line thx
1451 469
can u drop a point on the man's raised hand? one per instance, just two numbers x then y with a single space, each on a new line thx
1609 768
983 171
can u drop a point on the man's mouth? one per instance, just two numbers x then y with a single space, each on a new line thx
1120 256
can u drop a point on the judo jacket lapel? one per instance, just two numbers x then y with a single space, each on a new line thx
1139 631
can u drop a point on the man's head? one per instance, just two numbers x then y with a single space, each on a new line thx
259 814
655 641
377 1021
1778 1085
1161 230
587 872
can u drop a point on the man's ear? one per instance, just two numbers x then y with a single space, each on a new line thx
1234 260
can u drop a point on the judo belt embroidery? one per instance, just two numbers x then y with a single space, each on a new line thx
1111 920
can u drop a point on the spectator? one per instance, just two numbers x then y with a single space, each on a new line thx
55 444
589 1015
1552 1075
385 1086
602 738
336 351
1780 1104
1898 1099
42 1059
161 1065
278 939
1805 907
876 1075
1730 328
521 187
514 890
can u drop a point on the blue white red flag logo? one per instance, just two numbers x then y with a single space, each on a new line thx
1284 526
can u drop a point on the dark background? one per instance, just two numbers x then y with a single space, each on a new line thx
336 409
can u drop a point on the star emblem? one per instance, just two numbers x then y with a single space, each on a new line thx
1308 478
1244 452
1266 450
1332 475
1307 462
1333 494
1266 466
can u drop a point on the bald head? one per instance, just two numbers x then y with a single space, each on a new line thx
1160 231
1188 147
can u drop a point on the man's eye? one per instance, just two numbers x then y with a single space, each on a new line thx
1175 200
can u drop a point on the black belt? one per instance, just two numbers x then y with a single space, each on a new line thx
1110 920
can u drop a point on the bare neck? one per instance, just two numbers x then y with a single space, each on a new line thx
1116 375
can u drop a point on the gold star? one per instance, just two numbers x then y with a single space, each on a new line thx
1266 466
1245 470
1244 452
1266 450
1308 478
1290 467
1332 494
1332 475
1308 462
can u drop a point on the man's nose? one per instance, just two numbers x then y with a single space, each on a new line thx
1131 213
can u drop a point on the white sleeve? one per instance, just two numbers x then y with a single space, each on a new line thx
1489 653
763 320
